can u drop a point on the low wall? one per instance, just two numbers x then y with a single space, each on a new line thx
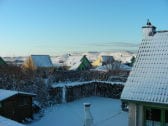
80 91
108 90
73 92
56 93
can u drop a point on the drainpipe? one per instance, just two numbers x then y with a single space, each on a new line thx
64 94
88 118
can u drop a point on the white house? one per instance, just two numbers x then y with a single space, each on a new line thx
146 90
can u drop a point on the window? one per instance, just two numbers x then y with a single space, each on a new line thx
156 117
166 117
153 117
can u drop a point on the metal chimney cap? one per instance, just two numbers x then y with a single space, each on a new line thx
87 104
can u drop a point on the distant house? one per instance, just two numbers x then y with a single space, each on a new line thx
38 61
107 60
2 62
7 122
78 63
97 62
103 60
106 63
146 89
113 66
16 105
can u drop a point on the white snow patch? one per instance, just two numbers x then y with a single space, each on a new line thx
7 122
125 67
76 83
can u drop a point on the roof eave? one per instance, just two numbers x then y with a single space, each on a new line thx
145 102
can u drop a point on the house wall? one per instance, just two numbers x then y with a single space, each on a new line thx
132 114
97 62
140 115
17 107
81 67
135 116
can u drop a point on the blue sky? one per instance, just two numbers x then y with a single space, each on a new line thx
61 26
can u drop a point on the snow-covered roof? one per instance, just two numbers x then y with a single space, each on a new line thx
104 67
107 59
7 122
92 56
148 81
123 56
74 61
57 61
75 66
42 60
4 94
125 67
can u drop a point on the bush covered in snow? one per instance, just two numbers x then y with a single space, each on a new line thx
115 75
14 78
39 81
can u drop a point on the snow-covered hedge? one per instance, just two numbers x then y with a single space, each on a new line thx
91 88
39 82
62 76
14 78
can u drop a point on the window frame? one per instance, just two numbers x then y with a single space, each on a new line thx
163 112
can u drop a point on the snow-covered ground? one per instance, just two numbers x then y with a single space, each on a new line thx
105 111
7 122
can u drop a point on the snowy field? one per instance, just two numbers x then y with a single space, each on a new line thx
105 111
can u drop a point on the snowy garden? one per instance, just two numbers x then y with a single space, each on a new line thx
65 106
105 112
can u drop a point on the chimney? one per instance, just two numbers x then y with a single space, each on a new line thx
148 30
88 119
